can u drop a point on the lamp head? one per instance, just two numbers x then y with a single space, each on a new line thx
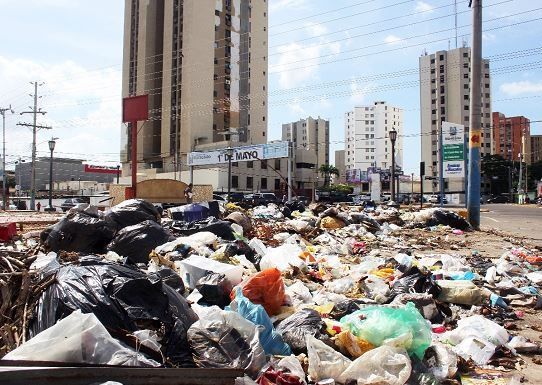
393 135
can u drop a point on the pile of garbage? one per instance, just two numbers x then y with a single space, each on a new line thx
291 295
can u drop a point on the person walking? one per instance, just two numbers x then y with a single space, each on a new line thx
188 194
38 206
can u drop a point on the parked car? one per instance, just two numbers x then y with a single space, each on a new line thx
257 199
71 202
303 199
236 197
498 199
435 198
220 198
358 199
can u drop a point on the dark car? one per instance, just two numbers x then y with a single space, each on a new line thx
236 197
220 198
498 199
71 202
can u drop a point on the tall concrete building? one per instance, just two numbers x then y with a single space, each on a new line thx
512 137
339 163
445 97
536 148
310 143
203 64
367 143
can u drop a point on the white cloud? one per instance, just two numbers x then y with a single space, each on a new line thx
315 29
392 39
358 92
488 36
422 6
83 107
522 87
279 5
295 107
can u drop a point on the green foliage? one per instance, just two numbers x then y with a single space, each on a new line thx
327 170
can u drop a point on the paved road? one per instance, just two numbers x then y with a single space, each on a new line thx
521 220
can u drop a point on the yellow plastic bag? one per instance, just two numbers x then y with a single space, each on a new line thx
349 343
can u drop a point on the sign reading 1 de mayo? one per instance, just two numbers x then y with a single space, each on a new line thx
453 150
240 154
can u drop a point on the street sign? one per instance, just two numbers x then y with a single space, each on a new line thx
453 150
240 154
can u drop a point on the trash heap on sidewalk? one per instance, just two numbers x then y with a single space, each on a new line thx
291 295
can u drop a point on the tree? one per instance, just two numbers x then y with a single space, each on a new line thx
497 172
327 170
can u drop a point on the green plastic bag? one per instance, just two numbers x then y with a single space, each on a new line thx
402 327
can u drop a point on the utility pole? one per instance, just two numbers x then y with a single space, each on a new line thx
35 111
473 204
289 168
4 178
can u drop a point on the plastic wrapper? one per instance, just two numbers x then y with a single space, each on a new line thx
215 289
79 338
292 365
298 294
351 345
136 242
384 365
79 232
241 219
295 328
343 308
131 212
270 340
265 288
324 361
224 339
461 292
424 303
402 327
476 349
122 298
376 288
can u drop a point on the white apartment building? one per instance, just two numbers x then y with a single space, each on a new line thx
445 97
310 144
367 142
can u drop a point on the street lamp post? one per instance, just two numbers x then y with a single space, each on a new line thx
229 153
52 144
393 138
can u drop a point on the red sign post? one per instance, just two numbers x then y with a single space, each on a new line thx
134 109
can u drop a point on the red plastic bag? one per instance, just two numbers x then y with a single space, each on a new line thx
265 288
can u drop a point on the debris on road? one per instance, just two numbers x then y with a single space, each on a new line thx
289 294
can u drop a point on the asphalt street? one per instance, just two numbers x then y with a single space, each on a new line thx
524 220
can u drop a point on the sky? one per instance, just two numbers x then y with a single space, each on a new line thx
324 59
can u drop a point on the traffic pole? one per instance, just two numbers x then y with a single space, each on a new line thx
473 203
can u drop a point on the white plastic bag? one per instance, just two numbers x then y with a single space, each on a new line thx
478 349
481 327
383 365
79 338
282 257
441 361
324 361
298 294
293 366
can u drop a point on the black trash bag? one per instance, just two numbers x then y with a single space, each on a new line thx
448 218
366 221
137 241
295 206
220 228
414 281
420 374
172 279
286 212
79 232
124 299
240 247
344 308
215 289
294 329
425 303
132 212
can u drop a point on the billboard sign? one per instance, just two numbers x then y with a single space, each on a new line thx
240 154
453 150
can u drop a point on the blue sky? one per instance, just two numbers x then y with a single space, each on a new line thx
325 58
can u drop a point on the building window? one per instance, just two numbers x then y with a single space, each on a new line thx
441 57
250 164
217 12
465 54
264 184
263 164
235 164
465 65
277 184
277 164
250 182
235 181
465 76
